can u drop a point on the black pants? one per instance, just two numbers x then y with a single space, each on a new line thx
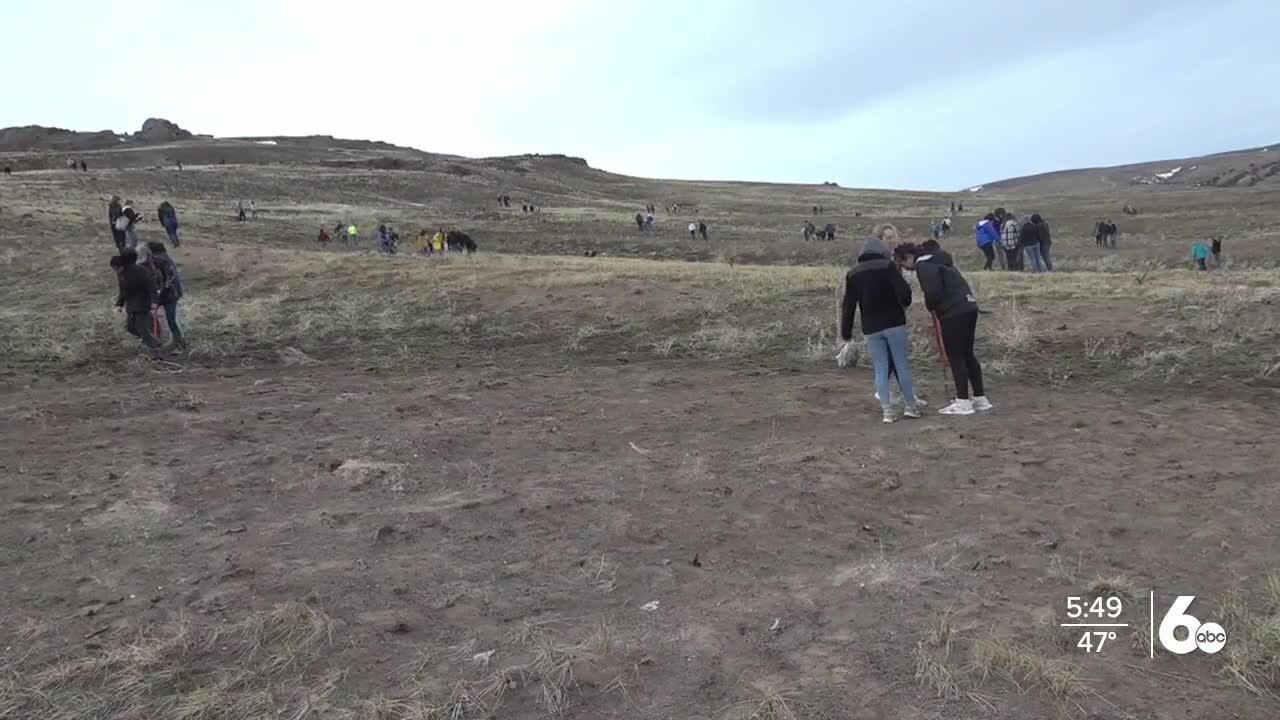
118 237
139 326
991 256
958 333
1014 258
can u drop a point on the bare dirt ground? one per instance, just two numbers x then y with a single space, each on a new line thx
529 486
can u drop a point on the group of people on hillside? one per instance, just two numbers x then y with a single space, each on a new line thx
1013 245
243 215
149 283
939 229
811 231
387 240
696 229
1105 232
123 220
878 289
1200 254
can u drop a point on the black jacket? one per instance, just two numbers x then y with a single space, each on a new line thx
877 287
946 294
165 212
137 289
1031 233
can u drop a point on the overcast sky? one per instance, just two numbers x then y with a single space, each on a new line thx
924 94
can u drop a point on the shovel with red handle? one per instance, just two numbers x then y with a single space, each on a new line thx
943 361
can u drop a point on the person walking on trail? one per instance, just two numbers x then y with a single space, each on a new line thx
1031 235
253 209
702 229
639 222
115 209
988 233
1011 243
353 234
830 231
1100 234
170 290
693 231
383 240
1200 255
877 288
948 298
169 221
240 216
809 230
438 242
136 297
323 237
1216 248
1112 231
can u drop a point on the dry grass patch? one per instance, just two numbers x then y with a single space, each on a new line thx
1026 668
264 666
1251 657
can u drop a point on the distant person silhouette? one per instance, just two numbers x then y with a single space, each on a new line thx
702 229
639 222
83 167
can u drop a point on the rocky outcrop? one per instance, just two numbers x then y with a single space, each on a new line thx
159 130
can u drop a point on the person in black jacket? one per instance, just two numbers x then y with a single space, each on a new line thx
169 290
114 211
1031 236
169 221
948 297
136 298
877 288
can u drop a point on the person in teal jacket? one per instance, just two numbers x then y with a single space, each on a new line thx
1200 254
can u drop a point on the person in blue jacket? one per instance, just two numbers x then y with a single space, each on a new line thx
988 234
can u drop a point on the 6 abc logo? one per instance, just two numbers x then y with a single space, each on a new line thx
1207 637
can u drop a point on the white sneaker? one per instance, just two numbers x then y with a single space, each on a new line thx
895 396
958 407
982 404
911 412
890 417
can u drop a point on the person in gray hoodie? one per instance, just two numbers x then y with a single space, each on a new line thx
948 297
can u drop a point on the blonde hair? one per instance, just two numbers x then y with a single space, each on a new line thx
888 234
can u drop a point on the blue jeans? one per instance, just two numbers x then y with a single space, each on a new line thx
1048 259
889 347
171 315
1035 261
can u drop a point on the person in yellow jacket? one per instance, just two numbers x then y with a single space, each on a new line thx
353 234
438 242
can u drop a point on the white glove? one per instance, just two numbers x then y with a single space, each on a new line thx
847 355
